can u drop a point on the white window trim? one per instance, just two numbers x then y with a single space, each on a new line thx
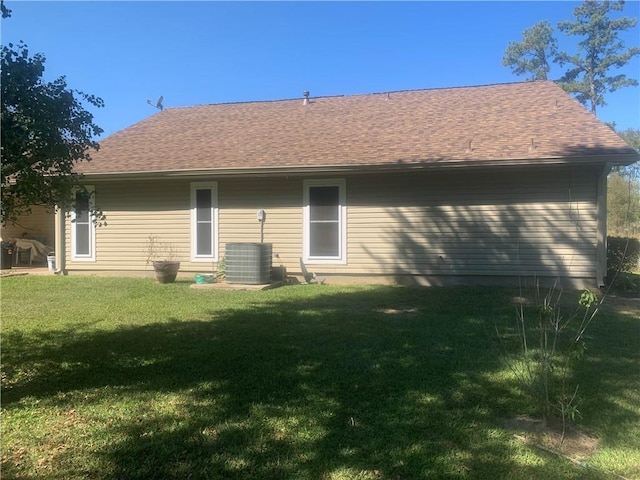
341 258
213 186
91 256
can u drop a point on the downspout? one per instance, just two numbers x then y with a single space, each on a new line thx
601 247
60 243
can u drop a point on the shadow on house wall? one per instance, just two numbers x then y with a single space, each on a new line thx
488 226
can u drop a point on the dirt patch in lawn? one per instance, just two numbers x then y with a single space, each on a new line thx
575 444
622 304
619 303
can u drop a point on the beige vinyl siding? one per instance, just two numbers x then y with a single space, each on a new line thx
533 221
134 211
281 199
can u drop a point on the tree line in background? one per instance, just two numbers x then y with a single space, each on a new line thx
623 194
590 74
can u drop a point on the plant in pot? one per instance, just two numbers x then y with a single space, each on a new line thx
163 257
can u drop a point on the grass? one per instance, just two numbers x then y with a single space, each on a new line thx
125 378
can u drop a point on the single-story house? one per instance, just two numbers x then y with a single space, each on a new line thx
481 184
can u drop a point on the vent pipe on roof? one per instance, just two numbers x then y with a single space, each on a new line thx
469 149
306 97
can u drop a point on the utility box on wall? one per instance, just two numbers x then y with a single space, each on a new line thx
248 263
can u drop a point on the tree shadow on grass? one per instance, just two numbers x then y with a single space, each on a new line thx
383 383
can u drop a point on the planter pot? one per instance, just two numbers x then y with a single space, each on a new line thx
166 272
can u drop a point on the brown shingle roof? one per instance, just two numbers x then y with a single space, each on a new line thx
495 123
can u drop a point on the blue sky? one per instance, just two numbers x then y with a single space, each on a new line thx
213 52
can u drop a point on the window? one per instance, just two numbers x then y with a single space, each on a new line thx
83 229
204 222
324 221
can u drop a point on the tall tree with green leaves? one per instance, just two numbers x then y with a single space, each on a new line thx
534 54
45 131
5 11
631 136
623 204
623 193
599 52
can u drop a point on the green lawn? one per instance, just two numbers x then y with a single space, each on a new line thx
113 378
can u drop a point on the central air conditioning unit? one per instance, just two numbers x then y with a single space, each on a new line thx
248 263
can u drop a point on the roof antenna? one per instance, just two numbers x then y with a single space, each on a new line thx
158 104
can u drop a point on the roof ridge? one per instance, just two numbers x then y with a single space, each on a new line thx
459 87
384 92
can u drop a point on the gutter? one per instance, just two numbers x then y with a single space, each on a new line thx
399 166
601 246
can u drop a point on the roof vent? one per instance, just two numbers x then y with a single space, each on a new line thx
306 97
469 149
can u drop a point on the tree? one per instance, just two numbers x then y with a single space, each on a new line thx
45 131
600 51
623 193
5 11
534 54
631 136
623 205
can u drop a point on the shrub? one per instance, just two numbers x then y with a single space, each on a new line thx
623 254
551 342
